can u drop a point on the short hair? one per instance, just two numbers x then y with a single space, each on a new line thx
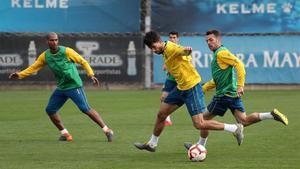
150 38
174 33
51 33
215 32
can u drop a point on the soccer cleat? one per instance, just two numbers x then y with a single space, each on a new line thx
65 137
239 133
145 146
187 145
168 123
109 134
280 117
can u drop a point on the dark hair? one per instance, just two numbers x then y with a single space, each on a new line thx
150 38
174 33
215 32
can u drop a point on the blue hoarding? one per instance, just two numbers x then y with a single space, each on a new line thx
228 15
69 16
268 59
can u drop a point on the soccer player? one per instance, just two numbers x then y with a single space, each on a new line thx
170 82
61 61
188 91
229 88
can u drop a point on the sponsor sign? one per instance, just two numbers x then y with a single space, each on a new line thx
268 59
250 16
113 58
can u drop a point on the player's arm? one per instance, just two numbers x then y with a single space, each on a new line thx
74 56
208 85
182 50
229 59
35 67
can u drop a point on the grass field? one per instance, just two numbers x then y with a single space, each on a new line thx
29 140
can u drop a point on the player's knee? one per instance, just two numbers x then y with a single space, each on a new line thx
50 111
200 125
244 121
84 109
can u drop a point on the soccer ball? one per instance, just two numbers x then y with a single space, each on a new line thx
197 153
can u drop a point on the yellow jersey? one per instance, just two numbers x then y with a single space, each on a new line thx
178 63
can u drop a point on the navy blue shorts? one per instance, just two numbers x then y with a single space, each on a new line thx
59 97
169 85
219 105
192 98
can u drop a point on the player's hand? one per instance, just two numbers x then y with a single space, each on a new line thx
164 67
95 81
240 91
204 90
13 76
188 49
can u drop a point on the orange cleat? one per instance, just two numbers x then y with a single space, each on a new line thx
168 123
65 137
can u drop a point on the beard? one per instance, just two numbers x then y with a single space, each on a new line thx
159 52
53 49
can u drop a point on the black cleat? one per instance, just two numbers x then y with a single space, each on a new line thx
187 145
280 117
144 146
109 135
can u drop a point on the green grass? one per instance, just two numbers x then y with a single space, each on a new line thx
29 140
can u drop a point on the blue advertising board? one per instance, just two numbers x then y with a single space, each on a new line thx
268 59
69 16
249 16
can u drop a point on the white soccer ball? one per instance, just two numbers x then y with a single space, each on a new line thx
197 153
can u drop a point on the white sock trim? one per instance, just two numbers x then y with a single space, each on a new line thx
105 128
168 118
264 116
153 141
64 131
230 127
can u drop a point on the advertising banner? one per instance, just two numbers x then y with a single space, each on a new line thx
268 59
114 58
69 16
250 16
